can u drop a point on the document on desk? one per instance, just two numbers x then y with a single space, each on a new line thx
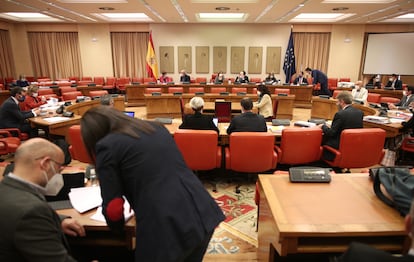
85 198
128 213
56 119
377 119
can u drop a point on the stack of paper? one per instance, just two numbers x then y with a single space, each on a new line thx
85 198
377 119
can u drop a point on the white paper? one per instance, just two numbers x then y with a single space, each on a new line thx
128 213
56 119
85 198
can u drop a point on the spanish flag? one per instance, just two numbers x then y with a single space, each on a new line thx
152 66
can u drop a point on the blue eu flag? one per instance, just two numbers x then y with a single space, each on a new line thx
289 66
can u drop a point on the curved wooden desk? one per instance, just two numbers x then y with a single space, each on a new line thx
81 107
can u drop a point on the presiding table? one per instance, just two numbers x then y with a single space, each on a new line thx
324 217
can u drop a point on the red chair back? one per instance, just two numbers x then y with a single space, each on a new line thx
373 98
77 147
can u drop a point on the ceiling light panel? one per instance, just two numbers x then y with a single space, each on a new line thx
29 17
221 17
93 1
224 1
320 17
358 1
124 17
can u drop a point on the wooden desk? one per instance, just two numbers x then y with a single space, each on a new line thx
324 218
55 129
81 107
168 105
323 108
98 233
86 89
136 93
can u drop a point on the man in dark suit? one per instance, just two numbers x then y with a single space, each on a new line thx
300 79
321 78
12 116
346 117
242 78
247 121
198 120
30 229
358 252
405 101
184 78
394 83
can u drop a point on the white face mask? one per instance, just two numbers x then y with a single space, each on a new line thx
35 94
54 185
258 93
391 79
404 93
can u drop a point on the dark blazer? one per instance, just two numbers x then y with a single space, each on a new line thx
297 80
185 79
349 117
11 116
405 102
247 122
397 85
30 229
199 121
173 210
358 252
320 77
245 79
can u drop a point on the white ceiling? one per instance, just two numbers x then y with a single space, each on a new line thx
186 11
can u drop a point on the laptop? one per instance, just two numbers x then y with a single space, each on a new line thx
309 175
61 200
129 113
384 105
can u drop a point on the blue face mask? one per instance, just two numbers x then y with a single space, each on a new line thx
22 98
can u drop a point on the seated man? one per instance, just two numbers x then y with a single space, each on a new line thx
405 101
394 83
299 80
184 78
247 121
30 229
12 117
346 117
359 93
242 78
361 252
198 120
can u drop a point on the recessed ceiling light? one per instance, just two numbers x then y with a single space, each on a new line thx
320 17
124 17
106 8
222 8
29 17
221 17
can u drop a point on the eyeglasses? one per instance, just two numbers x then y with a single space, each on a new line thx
60 165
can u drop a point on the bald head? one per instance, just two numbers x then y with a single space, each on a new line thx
35 157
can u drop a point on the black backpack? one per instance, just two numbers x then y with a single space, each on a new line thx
61 142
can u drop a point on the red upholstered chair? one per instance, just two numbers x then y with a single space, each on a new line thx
121 84
176 89
74 78
336 93
8 142
148 80
217 90
222 110
358 148
15 132
345 79
255 80
150 90
251 152
201 80
300 146
235 90
282 91
110 84
71 95
199 148
332 83
66 89
373 98
193 90
213 77
86 78
97 93
47 93
387 99
77 148
99 80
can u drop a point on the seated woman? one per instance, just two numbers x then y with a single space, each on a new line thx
32 100
219 78
264 104
198 120
270 79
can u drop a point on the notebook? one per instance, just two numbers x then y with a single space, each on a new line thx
309 175
129 113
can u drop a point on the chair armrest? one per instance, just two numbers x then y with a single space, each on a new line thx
337 154
4 149
5 133
278 152
274 160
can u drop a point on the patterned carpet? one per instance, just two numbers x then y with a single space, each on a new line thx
237 234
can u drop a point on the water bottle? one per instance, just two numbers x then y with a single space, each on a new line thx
93 178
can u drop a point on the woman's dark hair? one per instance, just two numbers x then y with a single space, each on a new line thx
100 121
263 90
